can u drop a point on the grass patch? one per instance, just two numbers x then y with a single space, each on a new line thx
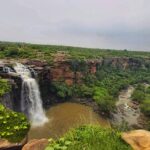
90 138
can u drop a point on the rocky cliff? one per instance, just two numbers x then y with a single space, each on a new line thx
64 70
72 71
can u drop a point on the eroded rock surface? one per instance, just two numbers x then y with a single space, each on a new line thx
138 139
6 145
39 144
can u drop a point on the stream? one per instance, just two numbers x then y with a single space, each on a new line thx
64 116
127 110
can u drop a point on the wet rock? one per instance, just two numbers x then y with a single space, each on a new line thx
133 105
7 100
36 144
138 139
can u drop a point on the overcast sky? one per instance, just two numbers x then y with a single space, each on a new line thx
119 24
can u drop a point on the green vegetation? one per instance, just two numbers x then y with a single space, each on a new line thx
103 99
45 52
142 95
139 93
90 138
4 87
13 126
104 86
62 90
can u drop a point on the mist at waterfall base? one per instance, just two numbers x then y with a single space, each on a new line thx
31 103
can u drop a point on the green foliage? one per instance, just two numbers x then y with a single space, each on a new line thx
103 99
91 138
90 79
45 52
145 106
61 144
142 95
108 77
104 88
4 87
138 95
83 91
61 89
11 52
13 126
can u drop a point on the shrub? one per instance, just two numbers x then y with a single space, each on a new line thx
145 106
13 126
85 91
103 99
12 52
61 89
138 95
4 86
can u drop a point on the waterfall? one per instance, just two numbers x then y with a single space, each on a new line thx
31 103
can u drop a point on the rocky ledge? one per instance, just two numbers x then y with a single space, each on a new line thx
6 145
138 139
36 144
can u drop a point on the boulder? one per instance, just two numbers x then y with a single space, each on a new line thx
6 145
138 139
36 144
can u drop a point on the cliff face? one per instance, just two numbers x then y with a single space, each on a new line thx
68 71
6 100
72 71
13 98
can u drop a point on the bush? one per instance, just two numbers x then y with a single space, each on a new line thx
12 52
90 138
142 95
85 91
62 90
138 96
103 99
4 86
13 126
145 107
90 79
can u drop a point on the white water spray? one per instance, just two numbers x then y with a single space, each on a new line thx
31 103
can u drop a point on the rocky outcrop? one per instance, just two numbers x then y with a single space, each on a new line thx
36 144
11 99
138 139
6 145
7 100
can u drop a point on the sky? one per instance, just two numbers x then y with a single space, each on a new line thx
112 24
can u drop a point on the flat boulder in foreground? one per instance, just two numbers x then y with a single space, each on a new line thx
138 139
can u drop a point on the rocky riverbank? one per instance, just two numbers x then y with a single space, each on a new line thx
128 111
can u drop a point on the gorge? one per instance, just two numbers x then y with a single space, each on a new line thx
62 90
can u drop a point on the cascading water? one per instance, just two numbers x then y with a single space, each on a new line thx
31 103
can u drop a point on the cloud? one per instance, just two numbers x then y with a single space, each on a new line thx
88 23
